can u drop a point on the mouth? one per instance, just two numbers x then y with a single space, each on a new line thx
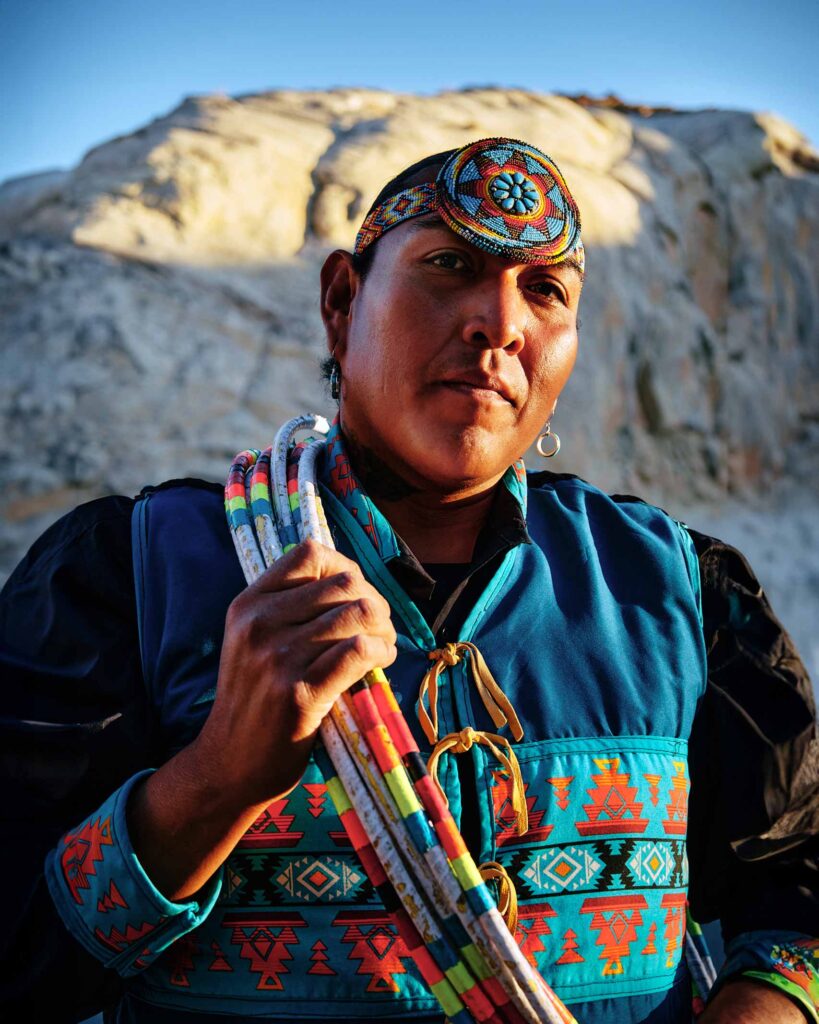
480 388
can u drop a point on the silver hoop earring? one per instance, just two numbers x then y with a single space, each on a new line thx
547 433
335 380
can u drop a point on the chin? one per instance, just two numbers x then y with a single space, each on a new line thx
463 457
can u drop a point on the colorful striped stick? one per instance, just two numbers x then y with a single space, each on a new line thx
447 954
245 464
448 859
395 815
441 986
396 868
426 860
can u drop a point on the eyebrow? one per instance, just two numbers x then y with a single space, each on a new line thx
426 221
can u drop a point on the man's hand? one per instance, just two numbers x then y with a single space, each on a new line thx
745 1001
295 639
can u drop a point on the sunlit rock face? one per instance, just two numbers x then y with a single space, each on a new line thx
158 303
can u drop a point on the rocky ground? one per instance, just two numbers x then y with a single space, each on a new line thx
158 302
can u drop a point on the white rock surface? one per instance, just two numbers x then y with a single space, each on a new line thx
158 303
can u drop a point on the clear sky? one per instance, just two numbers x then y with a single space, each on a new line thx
76 72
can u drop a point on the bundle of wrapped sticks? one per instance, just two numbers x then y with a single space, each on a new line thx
396 817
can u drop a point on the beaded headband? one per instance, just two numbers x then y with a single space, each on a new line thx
501 195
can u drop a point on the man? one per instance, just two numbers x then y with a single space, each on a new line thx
221 883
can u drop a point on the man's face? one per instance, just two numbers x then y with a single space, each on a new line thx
452 359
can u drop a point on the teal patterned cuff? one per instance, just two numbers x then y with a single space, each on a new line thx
787 960
106 900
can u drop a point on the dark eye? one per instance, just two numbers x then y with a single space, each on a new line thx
448 261
548 288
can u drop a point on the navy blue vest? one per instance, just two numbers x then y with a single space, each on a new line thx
593 631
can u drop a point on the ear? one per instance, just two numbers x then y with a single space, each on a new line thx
339 285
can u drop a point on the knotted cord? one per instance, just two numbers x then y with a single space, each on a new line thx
460 742
494 699
500 711
393 811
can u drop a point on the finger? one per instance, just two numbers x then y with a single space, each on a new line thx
345 663
266 612
302 645
342 588
308 561
363 615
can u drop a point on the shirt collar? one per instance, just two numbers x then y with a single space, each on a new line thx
505 528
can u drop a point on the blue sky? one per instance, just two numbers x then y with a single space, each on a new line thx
76 72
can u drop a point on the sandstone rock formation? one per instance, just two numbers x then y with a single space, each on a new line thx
158 302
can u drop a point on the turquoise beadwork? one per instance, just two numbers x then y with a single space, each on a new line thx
514 193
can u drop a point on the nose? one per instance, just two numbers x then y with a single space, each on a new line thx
496 315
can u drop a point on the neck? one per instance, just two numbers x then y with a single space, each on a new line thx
437 526
439 530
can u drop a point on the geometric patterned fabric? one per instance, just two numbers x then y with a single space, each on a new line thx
596 908
296 909
292 925
105 898
606 858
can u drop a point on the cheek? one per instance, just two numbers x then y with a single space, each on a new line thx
369 342
388 346
377 366
554 364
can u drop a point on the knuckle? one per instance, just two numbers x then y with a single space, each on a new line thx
301 555
233 614
270 573
365 610
310 548
358 646
239 612
378 601
348 565
304 557
346 580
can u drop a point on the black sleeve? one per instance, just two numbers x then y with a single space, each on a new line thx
754 809
74 724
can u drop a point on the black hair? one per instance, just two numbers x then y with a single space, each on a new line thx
416 174
326 369
362 261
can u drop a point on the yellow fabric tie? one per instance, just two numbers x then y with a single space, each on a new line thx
507 894
460 742
494 699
